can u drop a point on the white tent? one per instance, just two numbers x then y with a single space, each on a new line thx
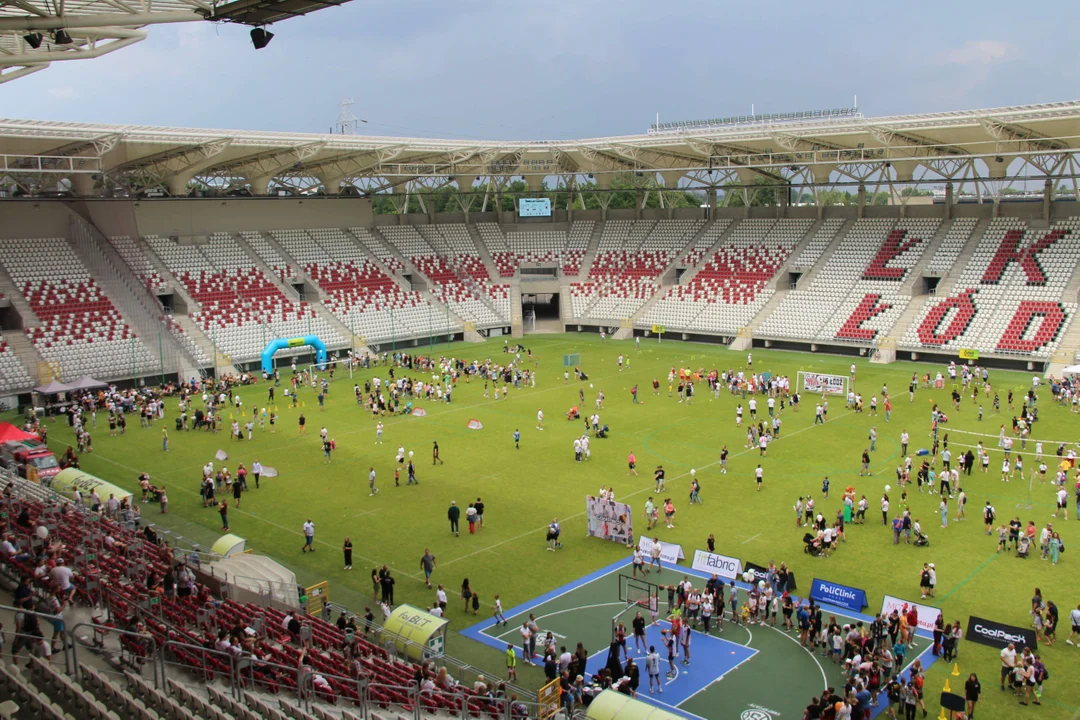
259 574
1071 370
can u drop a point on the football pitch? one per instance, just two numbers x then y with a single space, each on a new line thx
524 488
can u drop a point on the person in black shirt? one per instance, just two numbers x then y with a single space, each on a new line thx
711 543
387 583
639 632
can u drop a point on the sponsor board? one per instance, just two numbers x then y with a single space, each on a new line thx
669 552
840 595
726 567
762 573
822 383
927 615
999 635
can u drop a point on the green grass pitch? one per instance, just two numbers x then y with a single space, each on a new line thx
523 489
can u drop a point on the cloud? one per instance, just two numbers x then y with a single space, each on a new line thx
979 53
64 93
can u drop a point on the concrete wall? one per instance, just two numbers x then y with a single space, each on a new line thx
47 218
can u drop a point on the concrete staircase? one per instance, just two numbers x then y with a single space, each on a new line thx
26 352
135 303
591 251
18 302
812 273
178 288
485 256
948 283
914 276
691 272
796 251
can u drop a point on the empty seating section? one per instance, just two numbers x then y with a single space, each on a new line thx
951 246
492 237
577 243
628 264
378 249
565 248
138 262
818 243
363 297
873 302
262 247
449 260
80 328
874 257
13 375
729 290
1008 297
241 308
704 241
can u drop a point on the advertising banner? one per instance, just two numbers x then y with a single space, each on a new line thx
610 520
669 552
998 635
927 615
840 595
723 566
821 383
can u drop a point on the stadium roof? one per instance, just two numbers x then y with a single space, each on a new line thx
33 33
1007 144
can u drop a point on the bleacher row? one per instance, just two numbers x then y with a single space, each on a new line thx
182 630
1007 286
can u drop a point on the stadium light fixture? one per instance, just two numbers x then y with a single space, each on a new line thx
62 38
999 159
260 37
33 39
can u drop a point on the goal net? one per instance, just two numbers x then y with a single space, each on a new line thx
822 384
571 360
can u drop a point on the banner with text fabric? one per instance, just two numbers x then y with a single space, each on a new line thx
723 566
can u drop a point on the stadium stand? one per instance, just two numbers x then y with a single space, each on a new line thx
139 263
628 264
80 328
13 376
1008 298
563 248
729 290
262 247
113 560
361 295
430 251
853 296
241 309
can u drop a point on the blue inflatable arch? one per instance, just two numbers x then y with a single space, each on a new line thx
282 343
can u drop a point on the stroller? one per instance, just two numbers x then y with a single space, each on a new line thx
810 545
922 540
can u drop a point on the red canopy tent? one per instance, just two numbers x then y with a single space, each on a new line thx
10 432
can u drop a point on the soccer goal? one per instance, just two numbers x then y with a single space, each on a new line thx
640 596
822 384
571 360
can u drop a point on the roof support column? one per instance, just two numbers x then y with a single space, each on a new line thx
178 184
83 185
1048 196
947 212
862 200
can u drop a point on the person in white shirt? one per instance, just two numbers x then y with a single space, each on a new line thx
652 667
1008 663
436 611
1062 502
539 419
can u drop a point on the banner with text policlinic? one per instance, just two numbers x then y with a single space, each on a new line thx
840 595
927 615
669 552
995 634
723 566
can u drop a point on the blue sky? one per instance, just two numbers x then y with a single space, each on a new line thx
503 69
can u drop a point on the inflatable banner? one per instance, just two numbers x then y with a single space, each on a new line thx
610 520
283 343
67 481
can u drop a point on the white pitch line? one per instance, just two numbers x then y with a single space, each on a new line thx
749 539
629 495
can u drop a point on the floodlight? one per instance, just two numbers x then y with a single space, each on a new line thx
33 40
260 37
62 38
